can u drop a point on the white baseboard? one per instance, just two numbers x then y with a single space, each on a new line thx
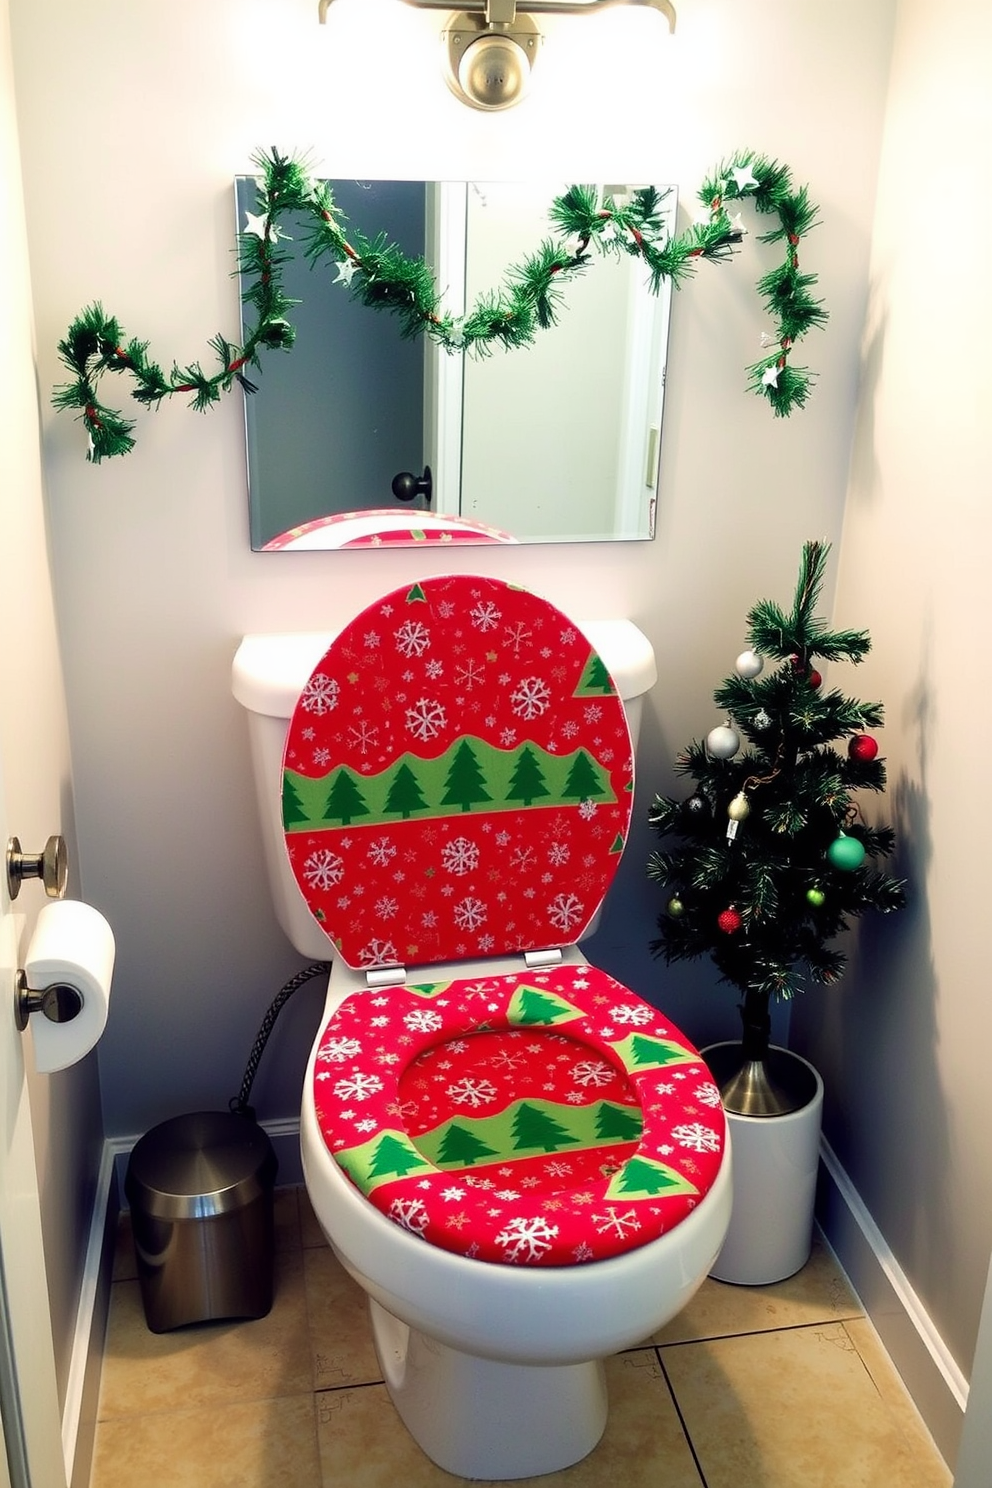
935 1382
83 1382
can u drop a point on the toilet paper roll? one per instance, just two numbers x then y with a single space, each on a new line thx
73 945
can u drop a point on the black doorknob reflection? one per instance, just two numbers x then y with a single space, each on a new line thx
407 487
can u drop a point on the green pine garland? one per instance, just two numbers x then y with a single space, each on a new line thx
528 301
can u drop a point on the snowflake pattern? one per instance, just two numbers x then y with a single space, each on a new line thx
323 869
425 719
422 1020
358 1087
340 1050
413 638
531 698
460 856
485 615
411 1214
382 852
623 1224
320 695
470 914
472 1092
592 1072
565 912
631 1015
696 1137
526 1239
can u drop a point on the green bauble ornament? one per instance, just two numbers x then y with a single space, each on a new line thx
676 908
816 897
846 853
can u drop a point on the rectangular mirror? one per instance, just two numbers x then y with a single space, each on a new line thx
556 441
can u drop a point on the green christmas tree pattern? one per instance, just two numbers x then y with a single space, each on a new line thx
618 1123
465 785
293 811
531 1005
527 781
595 680
405 796
583 780
344 800
534 1128
644 1178
639 1051
460 1147
394 1157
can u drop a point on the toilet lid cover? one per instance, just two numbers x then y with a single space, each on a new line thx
457 778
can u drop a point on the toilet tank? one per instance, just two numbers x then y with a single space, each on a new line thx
269 673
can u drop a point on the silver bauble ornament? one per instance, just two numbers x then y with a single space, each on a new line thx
761 720
749 665
723 742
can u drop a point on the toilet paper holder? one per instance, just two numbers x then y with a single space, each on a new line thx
59 1003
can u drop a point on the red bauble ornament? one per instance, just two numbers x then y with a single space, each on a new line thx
862 747
814 679
729 921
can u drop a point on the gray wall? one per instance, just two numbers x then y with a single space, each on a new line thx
903 1044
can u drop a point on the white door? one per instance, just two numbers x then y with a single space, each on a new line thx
32 762
29 1407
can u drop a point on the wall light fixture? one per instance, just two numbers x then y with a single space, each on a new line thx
489 46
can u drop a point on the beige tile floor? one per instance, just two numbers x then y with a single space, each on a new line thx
783 1386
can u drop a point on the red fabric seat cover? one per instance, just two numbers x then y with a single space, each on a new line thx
542 1118
457 778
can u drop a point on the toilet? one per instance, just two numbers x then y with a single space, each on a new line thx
524 1164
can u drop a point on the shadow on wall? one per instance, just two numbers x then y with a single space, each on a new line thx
874 1040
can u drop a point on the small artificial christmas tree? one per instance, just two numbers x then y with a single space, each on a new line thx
770 860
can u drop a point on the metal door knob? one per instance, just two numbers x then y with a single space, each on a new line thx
406 486
51 866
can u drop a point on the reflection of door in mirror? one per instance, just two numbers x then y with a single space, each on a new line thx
555 441
336 418
558 436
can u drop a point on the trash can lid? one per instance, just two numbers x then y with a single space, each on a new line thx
200 1165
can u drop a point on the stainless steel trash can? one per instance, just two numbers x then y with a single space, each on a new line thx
200 1189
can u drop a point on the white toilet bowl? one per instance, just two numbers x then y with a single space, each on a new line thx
496 1369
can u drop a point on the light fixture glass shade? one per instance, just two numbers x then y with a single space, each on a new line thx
486 66
490 45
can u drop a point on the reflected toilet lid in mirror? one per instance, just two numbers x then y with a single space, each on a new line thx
457 777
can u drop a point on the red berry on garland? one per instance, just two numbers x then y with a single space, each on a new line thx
862 747
729 921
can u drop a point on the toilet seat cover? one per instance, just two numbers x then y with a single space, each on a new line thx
537 1118
457 778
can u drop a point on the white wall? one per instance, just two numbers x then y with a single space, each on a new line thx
65 1110
904 1043
155 579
